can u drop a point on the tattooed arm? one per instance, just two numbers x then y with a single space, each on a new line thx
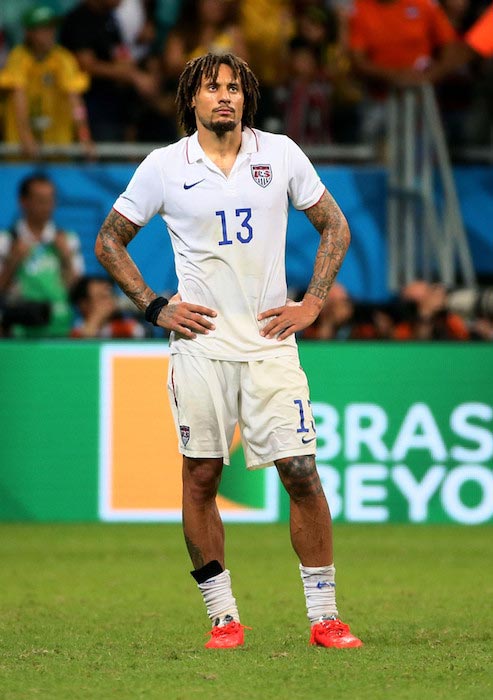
330 222
111 251
332 226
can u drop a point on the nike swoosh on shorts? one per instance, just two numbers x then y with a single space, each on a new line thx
305 442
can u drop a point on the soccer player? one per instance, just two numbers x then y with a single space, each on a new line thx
223 192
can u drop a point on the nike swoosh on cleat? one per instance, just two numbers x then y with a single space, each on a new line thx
187 187
305 442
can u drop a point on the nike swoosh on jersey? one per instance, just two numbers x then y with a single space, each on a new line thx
305 442
187 187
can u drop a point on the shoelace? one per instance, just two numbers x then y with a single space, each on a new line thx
334 627
225 630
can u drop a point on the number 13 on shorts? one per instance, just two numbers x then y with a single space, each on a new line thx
303 417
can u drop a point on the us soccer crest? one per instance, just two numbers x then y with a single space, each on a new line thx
185 434
262 174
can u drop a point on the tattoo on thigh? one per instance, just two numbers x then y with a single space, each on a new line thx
195 554
299 476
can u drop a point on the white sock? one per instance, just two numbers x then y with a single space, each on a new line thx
218 598
320 591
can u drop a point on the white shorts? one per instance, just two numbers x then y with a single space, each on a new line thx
268 399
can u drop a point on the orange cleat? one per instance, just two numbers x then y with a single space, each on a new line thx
333 633
227 636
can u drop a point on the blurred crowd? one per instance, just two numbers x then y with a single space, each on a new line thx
46 293
92 71
106 70
422 311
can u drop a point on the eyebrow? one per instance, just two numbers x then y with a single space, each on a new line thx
212 81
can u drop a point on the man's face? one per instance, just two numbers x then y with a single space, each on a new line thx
219 104
39 203
41 39
99 296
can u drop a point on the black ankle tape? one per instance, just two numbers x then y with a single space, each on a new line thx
213 568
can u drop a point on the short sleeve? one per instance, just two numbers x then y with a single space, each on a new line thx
71 78
144 196
443 31
304 187
15 72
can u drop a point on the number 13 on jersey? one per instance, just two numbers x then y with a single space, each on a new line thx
243 217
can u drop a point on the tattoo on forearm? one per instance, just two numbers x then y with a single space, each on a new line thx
111 250
334 231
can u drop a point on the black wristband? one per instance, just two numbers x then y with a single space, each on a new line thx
153 310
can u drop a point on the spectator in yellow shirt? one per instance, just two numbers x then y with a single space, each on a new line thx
44 84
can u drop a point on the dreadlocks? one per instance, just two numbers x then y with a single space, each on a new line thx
208 66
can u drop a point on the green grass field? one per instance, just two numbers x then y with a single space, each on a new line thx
110 611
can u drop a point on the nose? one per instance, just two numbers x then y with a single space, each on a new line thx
224 95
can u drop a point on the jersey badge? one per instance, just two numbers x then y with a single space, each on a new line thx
185 434
262 174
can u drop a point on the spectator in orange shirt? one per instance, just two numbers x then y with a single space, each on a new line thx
399 43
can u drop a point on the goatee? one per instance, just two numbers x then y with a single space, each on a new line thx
220 128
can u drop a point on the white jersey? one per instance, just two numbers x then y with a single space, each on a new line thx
228 233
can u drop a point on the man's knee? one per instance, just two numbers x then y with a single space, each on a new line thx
201 478
299 476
